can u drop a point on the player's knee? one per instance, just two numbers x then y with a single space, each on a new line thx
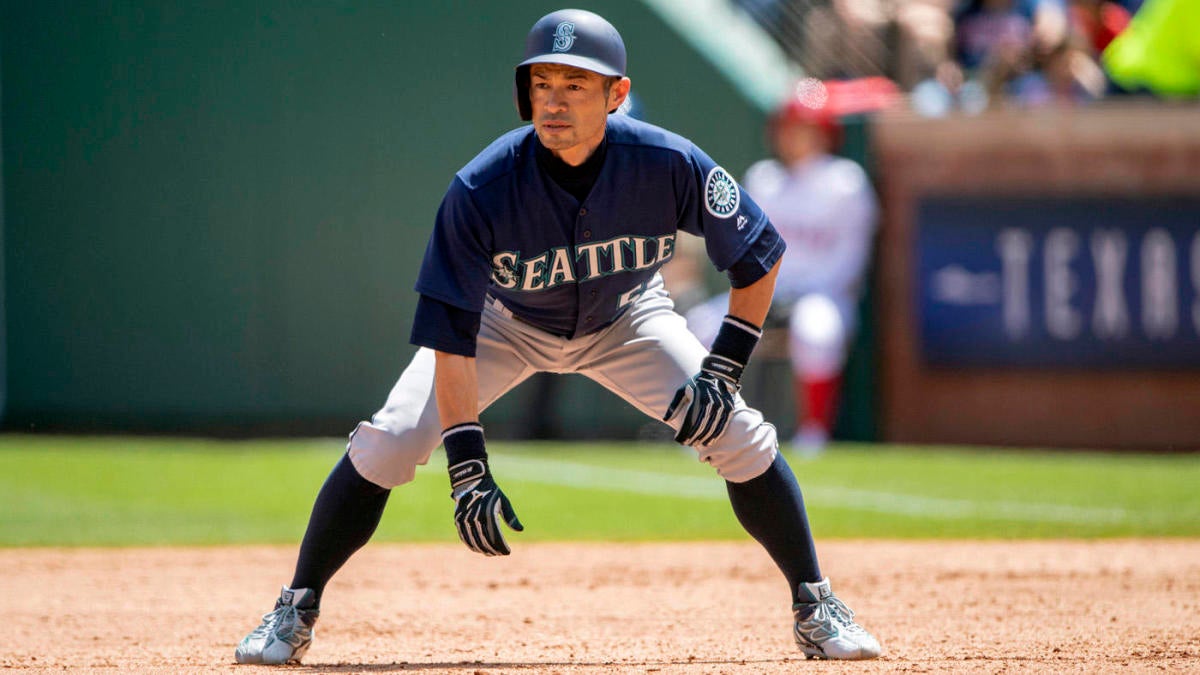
816 320
385 458
745 450
817 337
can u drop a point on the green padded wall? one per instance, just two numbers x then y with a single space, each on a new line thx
213 212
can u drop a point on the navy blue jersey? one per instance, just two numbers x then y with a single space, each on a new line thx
505 228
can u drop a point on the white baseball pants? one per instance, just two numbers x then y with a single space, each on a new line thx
643 357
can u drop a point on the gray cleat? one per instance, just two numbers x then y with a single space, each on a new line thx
285 633
825 626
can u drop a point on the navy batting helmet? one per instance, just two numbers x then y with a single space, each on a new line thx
572 37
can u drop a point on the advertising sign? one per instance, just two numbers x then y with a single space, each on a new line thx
1082 282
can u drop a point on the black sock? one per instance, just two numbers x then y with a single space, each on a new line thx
771 509
344 517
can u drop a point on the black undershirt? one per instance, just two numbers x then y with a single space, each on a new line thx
577 180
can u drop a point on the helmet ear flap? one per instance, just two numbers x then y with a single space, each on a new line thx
521 93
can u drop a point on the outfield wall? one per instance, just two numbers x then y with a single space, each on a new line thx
214 211
1039 278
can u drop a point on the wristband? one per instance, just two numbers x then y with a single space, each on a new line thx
464 442
736 340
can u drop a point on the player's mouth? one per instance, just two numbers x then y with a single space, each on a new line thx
555 125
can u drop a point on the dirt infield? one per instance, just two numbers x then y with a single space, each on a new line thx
990 607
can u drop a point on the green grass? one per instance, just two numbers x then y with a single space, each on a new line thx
113 491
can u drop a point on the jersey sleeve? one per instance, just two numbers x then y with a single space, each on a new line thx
714 206
454 275
762 255
457 265
445 328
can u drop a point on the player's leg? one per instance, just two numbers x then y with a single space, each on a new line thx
386 451
381 454
817 338
645 358
352 499
345 514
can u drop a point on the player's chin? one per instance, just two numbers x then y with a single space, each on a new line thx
554 135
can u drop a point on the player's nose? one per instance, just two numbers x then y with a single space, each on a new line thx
555 100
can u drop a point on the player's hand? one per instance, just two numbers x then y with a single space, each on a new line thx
706 402
478 507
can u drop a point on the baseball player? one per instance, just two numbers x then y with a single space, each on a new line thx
544 256
825 209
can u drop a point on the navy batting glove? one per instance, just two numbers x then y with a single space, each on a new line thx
479 505
708 399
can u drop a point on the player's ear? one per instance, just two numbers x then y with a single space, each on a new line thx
618 92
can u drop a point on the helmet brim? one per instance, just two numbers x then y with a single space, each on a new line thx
594 65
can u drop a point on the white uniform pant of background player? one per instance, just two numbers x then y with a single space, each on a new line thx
819 330
643 357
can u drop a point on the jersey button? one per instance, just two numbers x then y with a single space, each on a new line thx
583 212
588 319
587 234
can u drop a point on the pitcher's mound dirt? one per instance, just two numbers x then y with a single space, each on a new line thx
942 607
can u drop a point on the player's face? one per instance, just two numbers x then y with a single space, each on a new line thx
797 141
570 108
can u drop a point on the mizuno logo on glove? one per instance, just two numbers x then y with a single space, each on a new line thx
706 402
479 506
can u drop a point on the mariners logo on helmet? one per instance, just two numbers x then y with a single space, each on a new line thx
564 36
721 193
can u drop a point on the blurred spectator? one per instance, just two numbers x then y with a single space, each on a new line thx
1001 41
1160 50
1064 74
992 34
825 209
924 45
1098 22
904 40
1027 53
965 55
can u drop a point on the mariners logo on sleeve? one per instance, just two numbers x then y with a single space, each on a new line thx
564 36
721 193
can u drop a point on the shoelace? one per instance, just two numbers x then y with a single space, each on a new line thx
272 620
842 614
833 610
